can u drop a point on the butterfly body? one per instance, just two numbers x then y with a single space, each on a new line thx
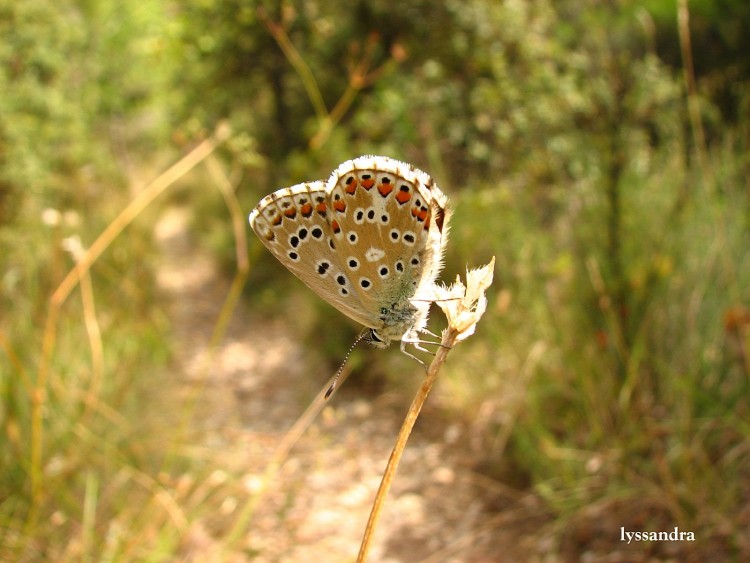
369 241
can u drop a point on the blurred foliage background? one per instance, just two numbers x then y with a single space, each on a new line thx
600 150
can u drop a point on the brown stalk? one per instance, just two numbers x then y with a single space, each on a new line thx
448 340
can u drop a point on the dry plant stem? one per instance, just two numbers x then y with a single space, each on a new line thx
243 264
235 290
359 77
61 294
699 136
298 62
449 339
95 341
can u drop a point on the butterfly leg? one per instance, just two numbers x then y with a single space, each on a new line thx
404 350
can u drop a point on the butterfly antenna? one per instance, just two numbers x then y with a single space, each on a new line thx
341 369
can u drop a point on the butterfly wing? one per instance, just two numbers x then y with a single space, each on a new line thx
294 224
390 224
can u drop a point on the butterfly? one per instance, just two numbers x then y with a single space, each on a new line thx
369 240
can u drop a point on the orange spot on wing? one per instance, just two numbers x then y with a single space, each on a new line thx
422 215
351 186
321 208
276 220
385 189
306 210
367 183
291 212
339 206
402 197
335 226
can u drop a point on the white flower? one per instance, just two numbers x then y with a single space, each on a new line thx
465 305
50 217
73 246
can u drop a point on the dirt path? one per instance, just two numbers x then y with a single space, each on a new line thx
439 508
